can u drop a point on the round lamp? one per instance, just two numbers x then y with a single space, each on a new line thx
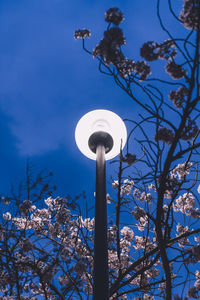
107 126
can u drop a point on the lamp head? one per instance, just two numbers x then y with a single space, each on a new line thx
100 138
100 127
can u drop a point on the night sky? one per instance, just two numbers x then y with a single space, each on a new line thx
47 83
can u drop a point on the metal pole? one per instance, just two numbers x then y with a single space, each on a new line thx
101 283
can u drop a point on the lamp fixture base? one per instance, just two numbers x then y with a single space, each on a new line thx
100 138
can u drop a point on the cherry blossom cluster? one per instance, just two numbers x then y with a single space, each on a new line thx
174 70
140 280
82 34
114 15
142 69
142 196
193 293
114 262
186 205
179 97
165 135
51 223
86 223
57 223
127 233
167 51
111 235
197 239
181 230
109 46
109 49
170 185
7 216
141 216
127 66
197 282
126 187
152 51
54 223
125 241
122 297
145 278
189 15
143 242
181 170
39 290
152 187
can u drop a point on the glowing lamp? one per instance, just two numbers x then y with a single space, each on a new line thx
100 126
100 134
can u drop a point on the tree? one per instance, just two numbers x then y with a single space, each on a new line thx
156 254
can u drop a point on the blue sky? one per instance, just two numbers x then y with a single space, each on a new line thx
47 82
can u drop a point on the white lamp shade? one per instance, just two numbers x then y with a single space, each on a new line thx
100 120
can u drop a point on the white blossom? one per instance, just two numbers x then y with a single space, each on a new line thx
197 239
82 34
108 199
126 187
127 233
185 204
115 184
142 223
198 189
145 197
197 274
7 216
49 202
181 230
192 292
197 284
22 223
182 170
152 187
112 232
87 223
142 242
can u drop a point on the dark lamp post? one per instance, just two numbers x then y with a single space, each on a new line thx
100 134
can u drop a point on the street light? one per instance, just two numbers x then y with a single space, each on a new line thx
100 134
